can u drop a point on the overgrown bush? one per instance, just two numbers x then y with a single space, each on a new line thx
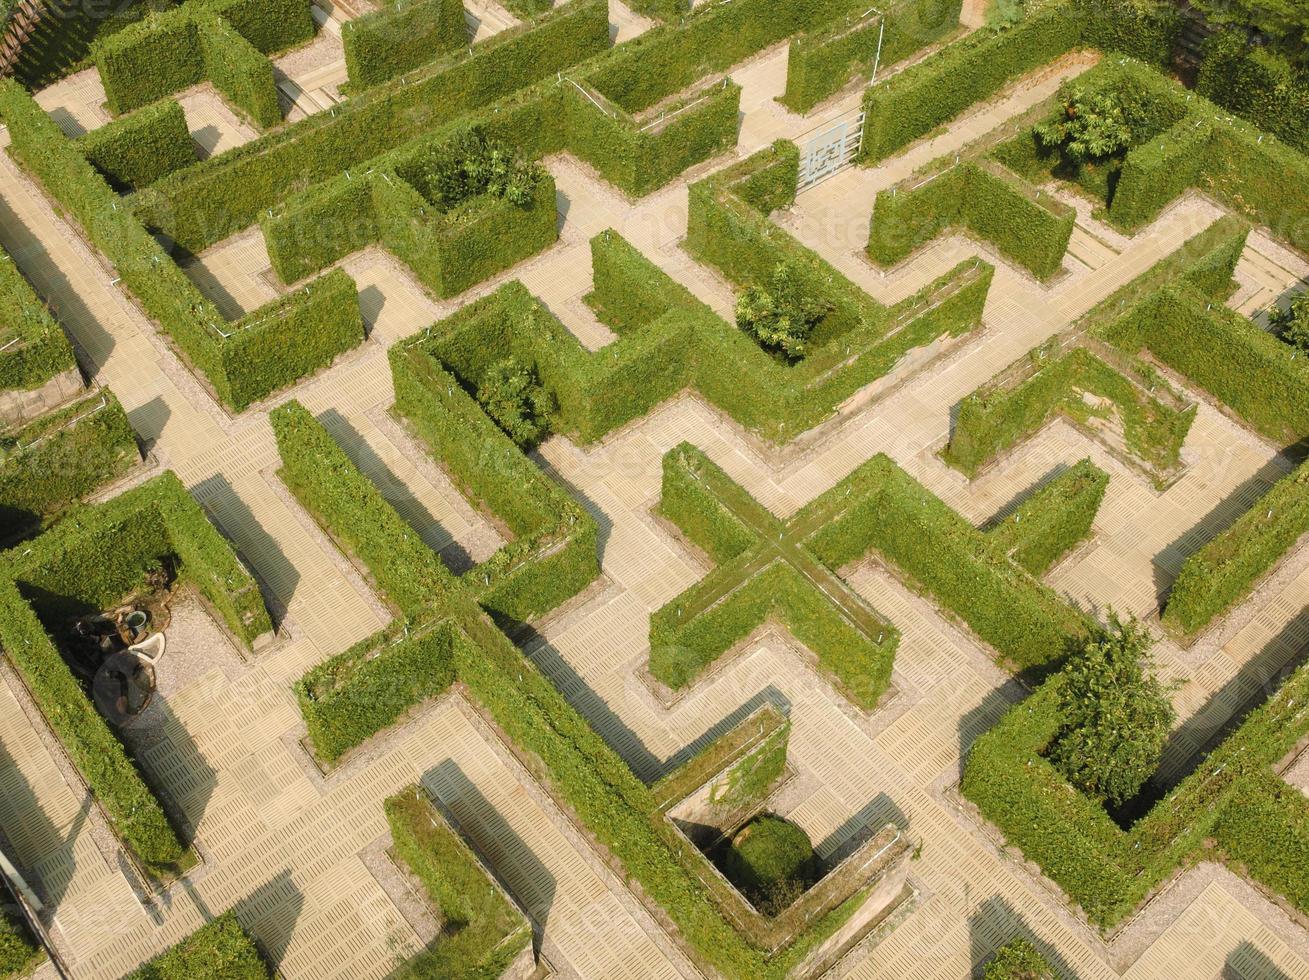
780 315
1292 323
1116 715
472 165
1017 959
512 395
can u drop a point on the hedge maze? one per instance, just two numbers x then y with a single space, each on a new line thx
501 273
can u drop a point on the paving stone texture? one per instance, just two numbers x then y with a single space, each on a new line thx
287 847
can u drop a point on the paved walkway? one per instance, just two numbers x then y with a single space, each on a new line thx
285 845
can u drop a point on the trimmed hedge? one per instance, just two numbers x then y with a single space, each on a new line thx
100 553
356 694
219 950
1224 571
112 775
239 71
138 149
947 558
270 25
744 762
821 62
404 569
483 931
1256 83
1053 520
42 350
983 197
19 950
215 198
1233 797
386 43
289 337
927 95
748 588
48 465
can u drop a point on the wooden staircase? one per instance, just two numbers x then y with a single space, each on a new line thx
22 23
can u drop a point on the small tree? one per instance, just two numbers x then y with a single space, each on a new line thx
1116 715
1292 324
780 317
513 396
1092 126
472 165
1018 959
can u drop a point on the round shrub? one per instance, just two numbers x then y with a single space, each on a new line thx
771 861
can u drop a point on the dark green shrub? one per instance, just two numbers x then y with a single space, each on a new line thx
1017 959
150 60
470 166
780 316
238 70
270 25
138 149
1292 323
220 950
482 931
771 861
512 395
386 43
50 464
1259 84
1093 125
1116 715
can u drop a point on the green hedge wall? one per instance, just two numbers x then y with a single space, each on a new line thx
138 149
1258 84
554 553
149 60
239 71
821 62
115 781
983 197
484 931
270 25
43 350
404 569
19 951
386 43
1225 570
51 463
751 754
215 198
100 553
354 695
950 560
311 325
319 226
219 950
995 418
1053 520
1232 797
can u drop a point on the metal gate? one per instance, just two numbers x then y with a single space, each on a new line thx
831 148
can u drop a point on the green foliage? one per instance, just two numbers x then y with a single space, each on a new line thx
780 316
482 931
404 569
1292 323
270 25
133 811
19 951
1017 959
238 70
213 199
386 43
982 197
138 149
1225 570
264 351
771 861
1116 715
512 395
150 60
62 44
1286 22
53 462
1259 84
1092 126
356 694
42 350
752 777
1054 520
821 61
220 950
470 166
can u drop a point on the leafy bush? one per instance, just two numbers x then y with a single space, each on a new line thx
1017 959
48 465
386 43
1092 126
1116 715
771 861
1286 22
482 931
512 395
220 950
138 149
1292 324
1054 520
472 165
781 316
